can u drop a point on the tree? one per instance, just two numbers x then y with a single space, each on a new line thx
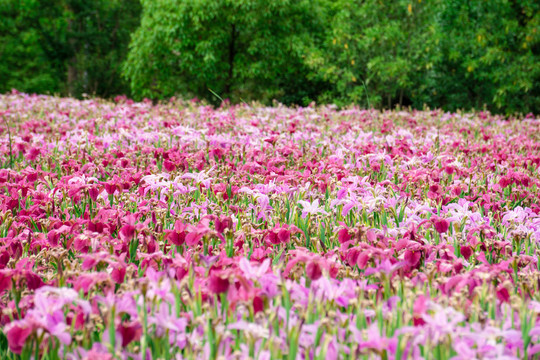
450 54
67 46
24 64
376 52
490 55
239 49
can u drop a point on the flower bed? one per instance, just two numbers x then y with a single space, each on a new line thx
178 231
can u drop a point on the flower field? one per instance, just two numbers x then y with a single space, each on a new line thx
179 231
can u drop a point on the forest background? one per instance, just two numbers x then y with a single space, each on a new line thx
449 54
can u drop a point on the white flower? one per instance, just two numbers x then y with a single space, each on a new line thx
201 177
254 272
255 330
311 208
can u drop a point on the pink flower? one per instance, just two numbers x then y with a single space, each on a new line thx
313 270
17 332
412 258
53 237
169 166
385 267
218 284
441 225
258 304
253 272
110 188
280 235
502 294
311 208
343 235
5 280
196 233
222 223
178 235
466 252
118 274
130 331
127 232
419 309
55 324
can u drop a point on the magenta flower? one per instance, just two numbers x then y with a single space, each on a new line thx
218 283
222 223
169 166
313 270
177 236
466 252
130 331
441 225
343 235
127 232
281 234
17 332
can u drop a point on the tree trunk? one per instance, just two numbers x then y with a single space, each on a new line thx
71 76
72 62
232 54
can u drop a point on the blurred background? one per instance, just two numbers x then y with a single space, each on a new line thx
450 54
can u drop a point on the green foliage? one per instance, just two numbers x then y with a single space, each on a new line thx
490 55
376 52
441 53
449 54
23 65
248 49
66 46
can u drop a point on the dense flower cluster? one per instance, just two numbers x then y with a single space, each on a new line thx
179 231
